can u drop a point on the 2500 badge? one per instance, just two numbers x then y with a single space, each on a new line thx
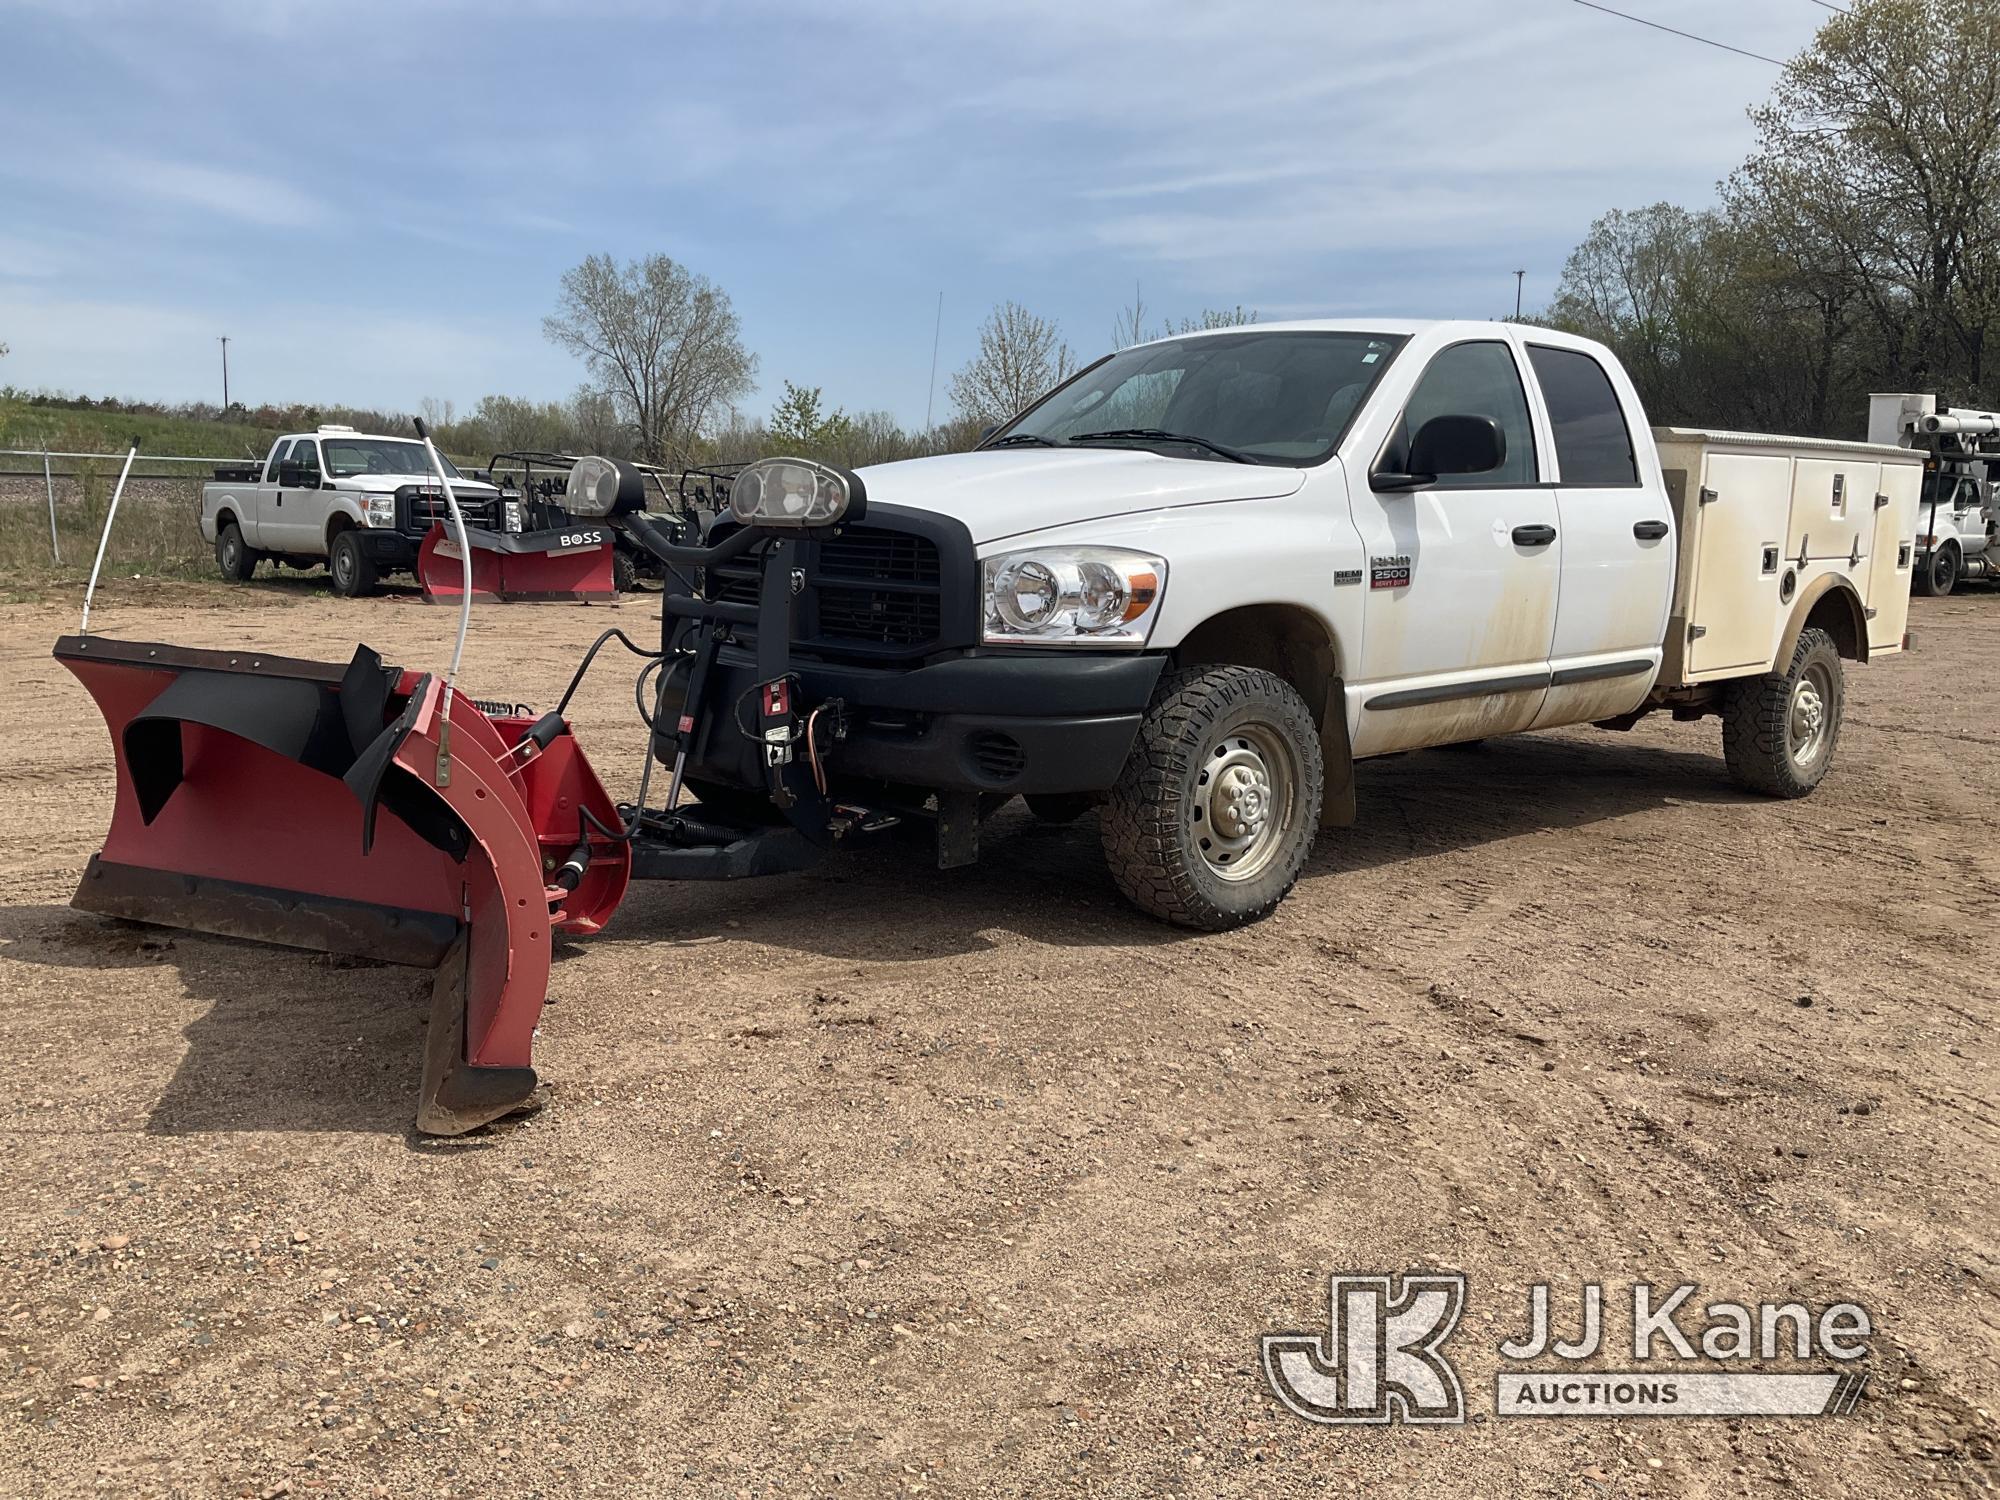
1389 572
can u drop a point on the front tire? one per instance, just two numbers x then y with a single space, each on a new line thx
624 572
352 569
233 555
1779 731
1214 815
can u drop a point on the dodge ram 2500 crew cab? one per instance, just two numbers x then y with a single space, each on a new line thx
1202 579
359 503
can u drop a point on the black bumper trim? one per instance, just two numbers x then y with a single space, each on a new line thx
386 548
1015 723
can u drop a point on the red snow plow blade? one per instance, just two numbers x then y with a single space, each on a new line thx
574 563
341 809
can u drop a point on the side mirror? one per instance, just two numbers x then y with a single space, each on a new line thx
988 430
292 476
1448 445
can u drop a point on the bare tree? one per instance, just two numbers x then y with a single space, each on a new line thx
1130 326
1021 358
662 341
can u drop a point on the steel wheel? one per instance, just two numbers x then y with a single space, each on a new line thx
343 569
1242 804
1809 715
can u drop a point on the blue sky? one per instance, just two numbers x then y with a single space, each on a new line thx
375 201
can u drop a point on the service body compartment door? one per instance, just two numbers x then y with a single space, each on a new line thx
1888 591
1833 510
1739 532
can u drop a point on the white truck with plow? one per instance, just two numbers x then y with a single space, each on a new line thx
1192 588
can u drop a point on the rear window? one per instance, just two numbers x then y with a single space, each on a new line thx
1593 444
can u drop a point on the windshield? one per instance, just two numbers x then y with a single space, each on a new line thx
1265 397
347 457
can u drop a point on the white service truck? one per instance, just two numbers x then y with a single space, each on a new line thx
1958 518
1204 578
360 503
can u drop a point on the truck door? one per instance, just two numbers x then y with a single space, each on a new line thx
301 507
269 522
1461 574
1618 549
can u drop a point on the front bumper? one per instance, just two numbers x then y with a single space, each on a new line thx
388 549
983 721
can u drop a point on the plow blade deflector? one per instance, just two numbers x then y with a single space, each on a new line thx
572 563
340 808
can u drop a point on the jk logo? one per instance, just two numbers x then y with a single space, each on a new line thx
1378 1360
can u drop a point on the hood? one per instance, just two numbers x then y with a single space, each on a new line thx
388 484
1004 492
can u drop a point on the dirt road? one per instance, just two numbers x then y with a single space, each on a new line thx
873 1180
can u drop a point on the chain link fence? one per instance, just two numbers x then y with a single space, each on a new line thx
52 509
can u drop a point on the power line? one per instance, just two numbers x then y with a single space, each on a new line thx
1829 5
1689 35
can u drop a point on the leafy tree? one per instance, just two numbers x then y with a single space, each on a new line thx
1881 148
799 421
1021 358
663 342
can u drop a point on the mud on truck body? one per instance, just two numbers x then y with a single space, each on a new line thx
1192 588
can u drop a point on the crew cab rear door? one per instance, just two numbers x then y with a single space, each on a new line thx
1461 574
299 509
1618 547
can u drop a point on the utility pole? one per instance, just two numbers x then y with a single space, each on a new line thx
1520 281
225 373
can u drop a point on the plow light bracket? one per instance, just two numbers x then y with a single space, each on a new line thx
795 493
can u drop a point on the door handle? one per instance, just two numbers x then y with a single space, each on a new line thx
1534 536
1650 531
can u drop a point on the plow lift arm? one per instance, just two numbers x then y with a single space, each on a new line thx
378 811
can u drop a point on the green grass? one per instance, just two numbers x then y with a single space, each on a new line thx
157 536
66 429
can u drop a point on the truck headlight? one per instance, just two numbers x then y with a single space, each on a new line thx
1072 596
379 509
794 492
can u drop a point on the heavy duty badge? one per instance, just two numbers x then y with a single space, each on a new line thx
1389 572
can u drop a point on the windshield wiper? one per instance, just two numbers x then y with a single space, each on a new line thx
1161 435
1023 437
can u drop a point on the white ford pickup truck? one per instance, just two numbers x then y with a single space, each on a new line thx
1201 580
359 503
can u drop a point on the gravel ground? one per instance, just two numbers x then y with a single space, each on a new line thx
874 1181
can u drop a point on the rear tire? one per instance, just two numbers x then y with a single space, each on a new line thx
1214 815
624 572
1939 575
1779 731
233 555
352 569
